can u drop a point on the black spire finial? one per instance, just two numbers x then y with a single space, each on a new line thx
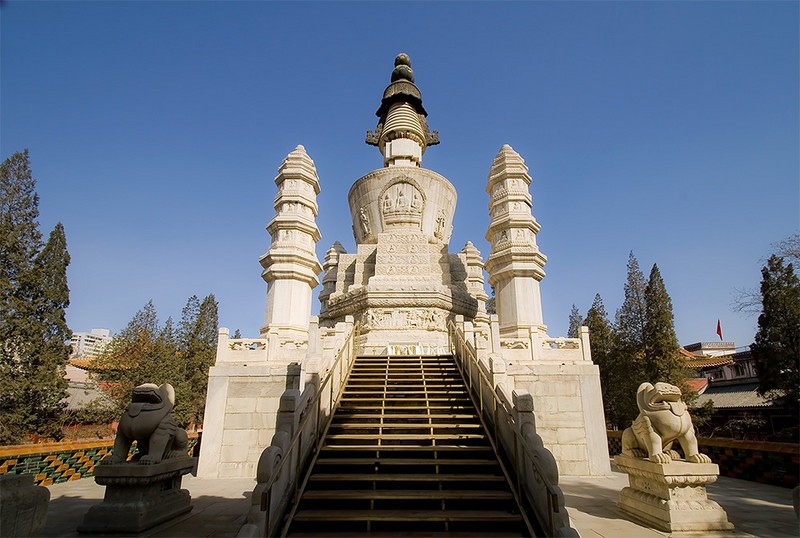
402 68
401 90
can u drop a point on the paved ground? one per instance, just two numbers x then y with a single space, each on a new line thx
220 504
754 509
219 507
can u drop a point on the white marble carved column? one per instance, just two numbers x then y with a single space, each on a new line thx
515 264
331 267
291 267
475 280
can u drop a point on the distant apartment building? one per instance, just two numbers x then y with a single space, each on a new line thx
82 389
91 344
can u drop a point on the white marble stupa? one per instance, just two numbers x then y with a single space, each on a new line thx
402 286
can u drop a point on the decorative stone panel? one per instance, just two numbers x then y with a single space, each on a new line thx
54 463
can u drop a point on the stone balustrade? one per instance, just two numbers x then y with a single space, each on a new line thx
241 349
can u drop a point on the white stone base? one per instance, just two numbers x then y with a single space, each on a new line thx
241 416
23 506
568 406
403 342
671 497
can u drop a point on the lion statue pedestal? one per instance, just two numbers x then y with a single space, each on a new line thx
665 492
146 490
671 496
139 496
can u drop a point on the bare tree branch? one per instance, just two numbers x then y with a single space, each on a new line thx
789 248
746 301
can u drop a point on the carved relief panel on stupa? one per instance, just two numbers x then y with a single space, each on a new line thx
430 319
402 205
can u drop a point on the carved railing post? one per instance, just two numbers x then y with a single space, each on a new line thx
222 343
536 346
494 333
312 364
499 377
586 347
273 344
288 421
469 333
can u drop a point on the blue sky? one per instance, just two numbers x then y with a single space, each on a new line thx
156 128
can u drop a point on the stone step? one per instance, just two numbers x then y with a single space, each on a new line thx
455 450
404 426
406 436
386 461
406 455
406 515
404 477
390 415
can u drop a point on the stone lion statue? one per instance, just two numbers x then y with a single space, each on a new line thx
663 418
147 420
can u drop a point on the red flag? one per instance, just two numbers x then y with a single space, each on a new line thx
719 330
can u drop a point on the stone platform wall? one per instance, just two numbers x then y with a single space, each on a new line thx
777 464
53 463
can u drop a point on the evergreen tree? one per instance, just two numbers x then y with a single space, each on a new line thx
145 352
776 350
631 316
628 347
601 337
33 296
20 240
662 360
50 356
198 347
132 358
236 334
575 322
171 368
189 315
208 331
167 351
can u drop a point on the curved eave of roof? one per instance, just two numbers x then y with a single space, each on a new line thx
708 362
697 384
89 364
401 91
735 397
81 362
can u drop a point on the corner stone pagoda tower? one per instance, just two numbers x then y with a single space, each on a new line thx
402 287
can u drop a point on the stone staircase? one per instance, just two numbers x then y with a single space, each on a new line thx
406 454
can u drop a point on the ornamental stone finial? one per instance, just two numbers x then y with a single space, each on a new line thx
402 132
402 59
402 68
